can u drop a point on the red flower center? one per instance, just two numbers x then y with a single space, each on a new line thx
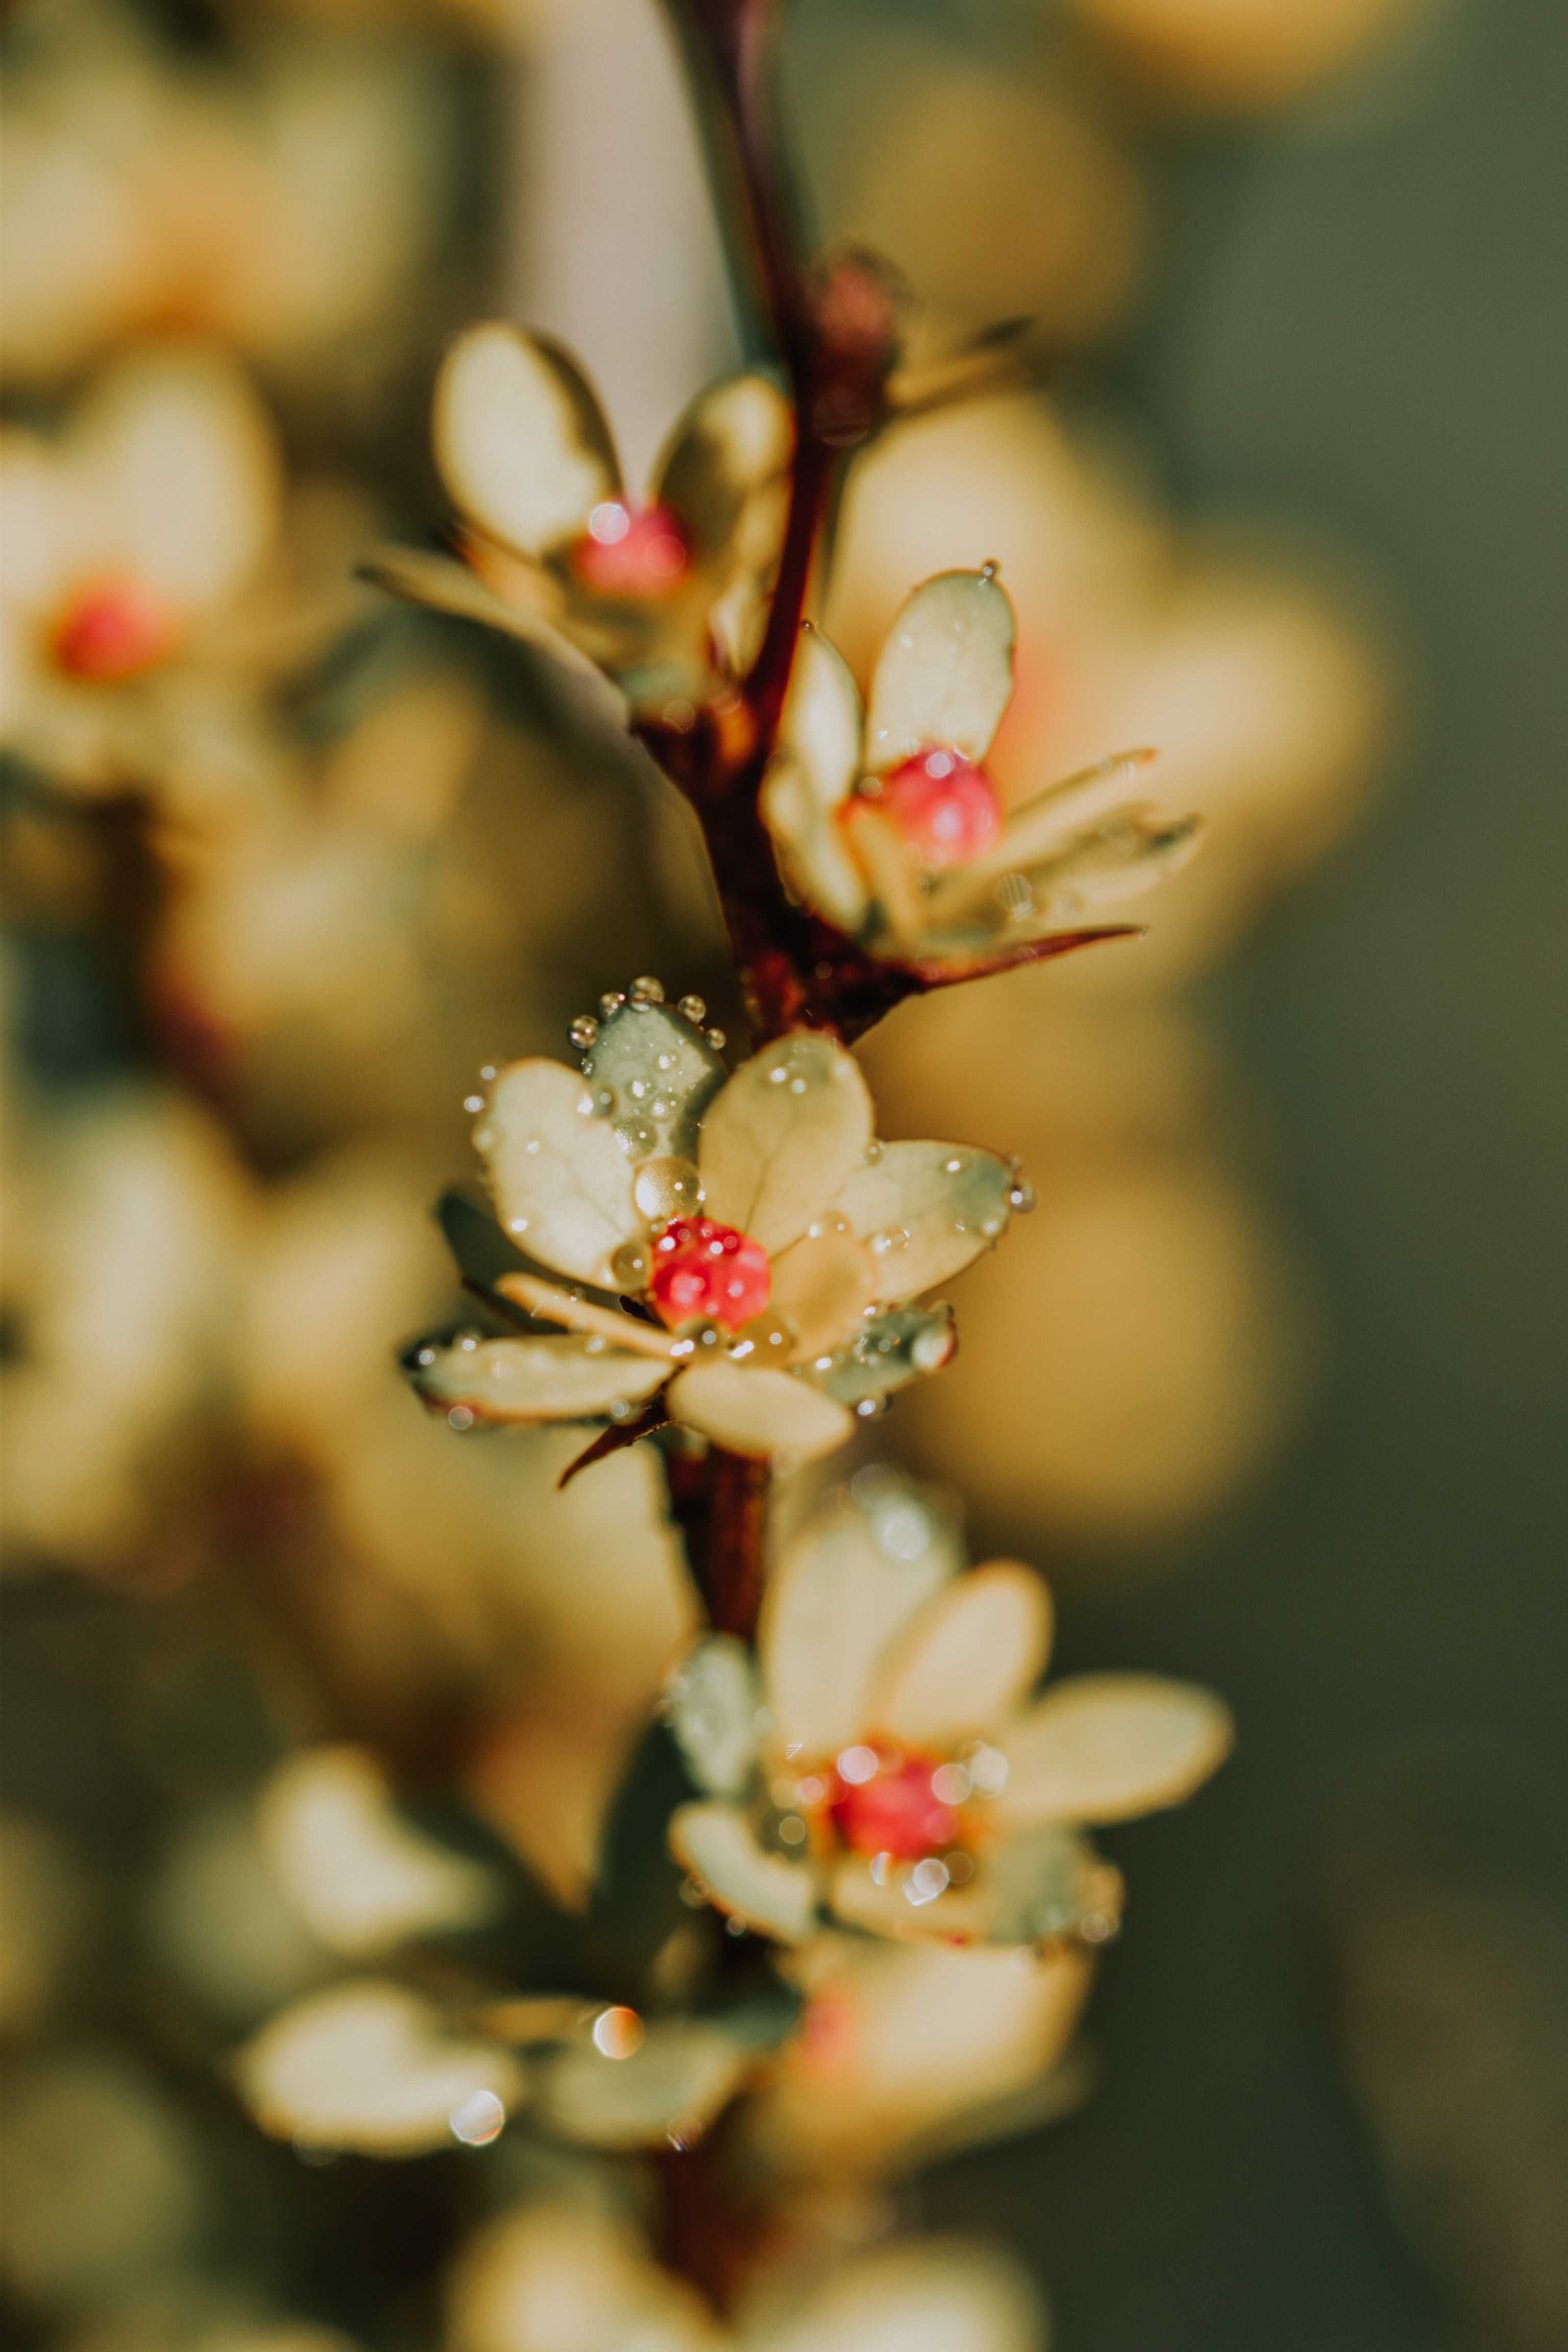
114 630
946 808
705 1270
631 553
894 1809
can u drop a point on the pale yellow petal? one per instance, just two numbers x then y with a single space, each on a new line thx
521 1381
930 2297
927 1210
967 1661
823 722
809 844
1106 1748
555 1305
845 1588
571 2277
181 464
560 1179
781 1138
520 440
823 1286
715 1844
748 1410
904 2047
370 2066
671 2088
945 674
361 1877
735 437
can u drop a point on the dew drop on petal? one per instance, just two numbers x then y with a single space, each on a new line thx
480 2119
583 1031
617 2032
611 1002
692 1009
647 990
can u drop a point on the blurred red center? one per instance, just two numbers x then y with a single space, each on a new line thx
945 807
703 1269
631 551
111 631
897 1811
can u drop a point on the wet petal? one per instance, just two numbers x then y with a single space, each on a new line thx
1046 1884
927 1210
945 674
823 1284
845 1588
712 1705
909 1902
781 1138
561 1180
890 1350
1042 827
568 2276
822 723
370 2066
758 1413
504 1381
716 1843
967 1661
661 1073
813 856
1106 1748
520 440
672 2086
555 1305
735 437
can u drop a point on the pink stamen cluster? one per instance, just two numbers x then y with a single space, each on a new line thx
631 553
895 1809
708 1272
113 630
947 809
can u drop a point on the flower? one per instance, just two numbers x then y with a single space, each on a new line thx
772 1247
902 1783
666 597
134 617
542 2277
887 824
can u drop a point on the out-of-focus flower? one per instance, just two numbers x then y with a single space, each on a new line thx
121 1276
136 617
668 596
774 1249
567 2278
1238 56
887 824
1266 704
906 2051
902 1782
279 204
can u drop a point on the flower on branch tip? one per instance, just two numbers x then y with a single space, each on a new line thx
904 1784
768 1251
669 596
887 825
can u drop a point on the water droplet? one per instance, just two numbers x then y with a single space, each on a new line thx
989 570
488 1072
667 1188
517 1225
462 1417
637 1136
1022 1197
611 1002
473 1102
637 1089
734 1926
629 1266
954 1167
484 1139
716 1039
426 1356
647 990
692 1009
583 1031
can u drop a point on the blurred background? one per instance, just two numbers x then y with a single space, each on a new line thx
1270 1385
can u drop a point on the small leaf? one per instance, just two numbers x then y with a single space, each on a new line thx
525 1381
712 1706
560 1179
927 1210
716 1844
520 439
661 1073
945 674
783 1136
889 1351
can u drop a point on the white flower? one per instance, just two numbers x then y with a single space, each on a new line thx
136 613
886 824
668 597
772 1247
903 1783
